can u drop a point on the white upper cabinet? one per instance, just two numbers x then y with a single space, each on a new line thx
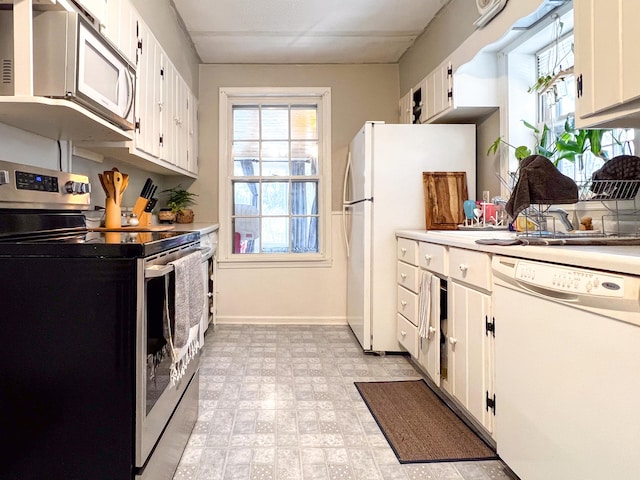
405 105
454 94
121 27
438 97
148 105
98 10
607 75
464 92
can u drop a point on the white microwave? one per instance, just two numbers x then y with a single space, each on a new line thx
73 61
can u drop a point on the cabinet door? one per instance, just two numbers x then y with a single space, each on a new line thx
440 89
148 94
583 46
629 39
192 131
607 69
429 348
606 39
457 343
168 111
405 107
470 351
121 27
98 10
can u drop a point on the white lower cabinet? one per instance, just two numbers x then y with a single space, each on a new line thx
470 351
457 349
407 334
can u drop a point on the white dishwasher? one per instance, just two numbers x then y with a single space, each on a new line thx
567 355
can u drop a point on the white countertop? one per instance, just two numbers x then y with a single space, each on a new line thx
619 259
202 227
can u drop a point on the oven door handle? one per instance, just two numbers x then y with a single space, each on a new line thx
156 271
207 253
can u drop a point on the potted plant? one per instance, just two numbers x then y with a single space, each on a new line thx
177 202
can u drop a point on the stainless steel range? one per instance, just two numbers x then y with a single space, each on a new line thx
85 314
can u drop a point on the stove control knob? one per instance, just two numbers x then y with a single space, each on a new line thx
4 177
77 188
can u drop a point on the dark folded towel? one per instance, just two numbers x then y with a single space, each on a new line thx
540 182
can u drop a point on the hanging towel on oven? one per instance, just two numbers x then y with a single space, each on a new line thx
183 338
424 305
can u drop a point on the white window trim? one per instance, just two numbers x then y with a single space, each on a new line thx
261 260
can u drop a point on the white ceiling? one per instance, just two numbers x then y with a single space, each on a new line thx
305 31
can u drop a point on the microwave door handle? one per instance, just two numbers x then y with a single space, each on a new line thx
125 80
129 93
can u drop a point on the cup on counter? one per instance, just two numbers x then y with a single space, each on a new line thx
489 212
469 206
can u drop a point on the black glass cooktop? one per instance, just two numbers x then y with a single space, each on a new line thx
92 243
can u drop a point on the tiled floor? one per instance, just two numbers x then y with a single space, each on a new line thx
278 402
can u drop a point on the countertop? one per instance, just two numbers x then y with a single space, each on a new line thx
618 259
202 227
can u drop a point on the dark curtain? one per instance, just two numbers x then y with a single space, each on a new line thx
304 229
249 171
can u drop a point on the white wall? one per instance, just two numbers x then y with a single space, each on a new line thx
314 294
305 295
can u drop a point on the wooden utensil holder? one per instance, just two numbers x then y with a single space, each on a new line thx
113 214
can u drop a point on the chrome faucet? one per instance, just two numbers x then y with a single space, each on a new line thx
562 215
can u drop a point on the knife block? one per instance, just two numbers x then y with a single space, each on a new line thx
113 214
144 220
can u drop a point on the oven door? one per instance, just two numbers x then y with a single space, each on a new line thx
156 398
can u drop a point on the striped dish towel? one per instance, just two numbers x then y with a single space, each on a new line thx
424 305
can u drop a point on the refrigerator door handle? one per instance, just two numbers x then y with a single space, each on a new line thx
344 228
347 171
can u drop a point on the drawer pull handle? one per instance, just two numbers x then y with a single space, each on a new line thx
452 341
403 333
403 303
403 276
404 251
427 257
463 268
432 330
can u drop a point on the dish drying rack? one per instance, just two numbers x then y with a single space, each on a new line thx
621 219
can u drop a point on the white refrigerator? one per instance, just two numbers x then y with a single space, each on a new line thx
383 193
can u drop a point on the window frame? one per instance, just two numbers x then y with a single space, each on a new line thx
228 96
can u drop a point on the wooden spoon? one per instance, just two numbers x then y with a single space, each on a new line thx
107 175
117 187
125 184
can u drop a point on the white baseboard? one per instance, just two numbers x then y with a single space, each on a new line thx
244 320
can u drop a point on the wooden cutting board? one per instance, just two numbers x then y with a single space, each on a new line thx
444 194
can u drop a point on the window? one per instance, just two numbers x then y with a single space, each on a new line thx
274 174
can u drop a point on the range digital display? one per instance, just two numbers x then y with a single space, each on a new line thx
34 181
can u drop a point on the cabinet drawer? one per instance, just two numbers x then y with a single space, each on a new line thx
409 276
407 335
470 267
408 304
433 257
408 251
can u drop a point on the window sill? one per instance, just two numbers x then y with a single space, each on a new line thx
250 261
